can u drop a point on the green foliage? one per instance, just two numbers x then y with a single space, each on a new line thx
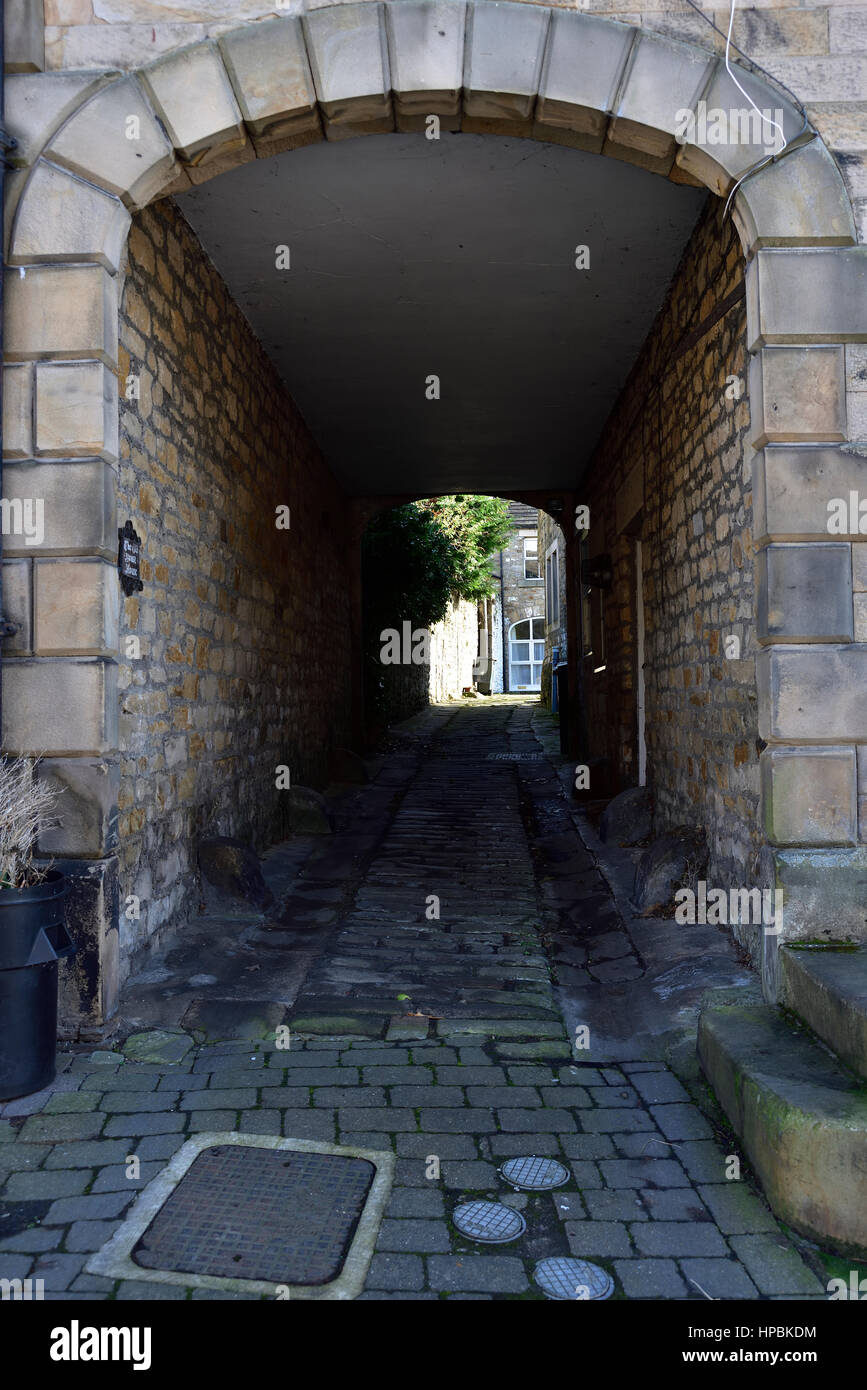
477 527
418 556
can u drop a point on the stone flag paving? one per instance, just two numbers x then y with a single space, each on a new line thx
437 1039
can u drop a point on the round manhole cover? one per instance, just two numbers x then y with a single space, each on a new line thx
564 1278
489 1222
535 1174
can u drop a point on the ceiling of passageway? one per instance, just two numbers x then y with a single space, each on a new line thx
456 258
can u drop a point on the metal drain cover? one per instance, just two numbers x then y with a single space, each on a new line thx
535 1174
249 1213
489 1222
563 1278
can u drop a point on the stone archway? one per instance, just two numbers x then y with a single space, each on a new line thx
107 145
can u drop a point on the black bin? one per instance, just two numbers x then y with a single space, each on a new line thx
561 675
33 938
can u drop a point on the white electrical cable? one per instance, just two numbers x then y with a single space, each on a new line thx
764 117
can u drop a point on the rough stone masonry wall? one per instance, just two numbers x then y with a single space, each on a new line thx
684 425
818 48
244 628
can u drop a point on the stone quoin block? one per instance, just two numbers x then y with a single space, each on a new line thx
503 61
87 806
797 394
823 893
76 605
808 296
348 54
269 71
62 218
792 490
79 506
115 141
662 77
814 693
23 36
804 593
62 312
18 411
76 410
18 605
426 55
718 165
59 707
584 62
193 98
801 199
809 796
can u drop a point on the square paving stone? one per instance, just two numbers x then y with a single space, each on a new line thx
471 1076
719 1278
651 1279
412 1202
703 1159
89 1235
608 1120
675 1204
416 1096
587 1145
31 1187
505 1095
603 1238
477 1273
134 1126
349 1095
469 1176
643 1172
658 1087
681 1122
537 1121
310 1124
678 1238
624 1205
389 1121
736 1209
88 1154
397 1272
443 1145
422 1237
53 1129
776 1268
465 1121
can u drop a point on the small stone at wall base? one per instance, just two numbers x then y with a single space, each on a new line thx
675 860
308 813
233 867
627 818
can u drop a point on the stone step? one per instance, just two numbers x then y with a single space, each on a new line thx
799 1113
828 990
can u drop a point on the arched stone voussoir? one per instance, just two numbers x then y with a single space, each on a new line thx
503 57
270 74
60 217
582 70
193 97
115 141
663 79
426 57
347 48
731 132
800 200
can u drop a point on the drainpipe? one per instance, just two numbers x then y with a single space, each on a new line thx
7 144
502 626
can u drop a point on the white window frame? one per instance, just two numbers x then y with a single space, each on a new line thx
552 585
534 541
536 618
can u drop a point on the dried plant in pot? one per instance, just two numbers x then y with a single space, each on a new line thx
33 936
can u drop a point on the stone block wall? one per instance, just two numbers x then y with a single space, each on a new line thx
242 628
674 469
555 633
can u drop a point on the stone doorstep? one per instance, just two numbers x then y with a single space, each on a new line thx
828 990
800 1115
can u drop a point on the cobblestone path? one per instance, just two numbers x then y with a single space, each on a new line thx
428 1037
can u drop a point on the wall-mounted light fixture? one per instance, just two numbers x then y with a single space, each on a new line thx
597 573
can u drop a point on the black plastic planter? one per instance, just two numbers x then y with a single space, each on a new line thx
33 938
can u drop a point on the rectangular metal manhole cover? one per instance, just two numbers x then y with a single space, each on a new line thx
253 1213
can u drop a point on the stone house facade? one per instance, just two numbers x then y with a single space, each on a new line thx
510 626
744 416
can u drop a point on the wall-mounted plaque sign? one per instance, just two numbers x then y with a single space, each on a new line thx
128 557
